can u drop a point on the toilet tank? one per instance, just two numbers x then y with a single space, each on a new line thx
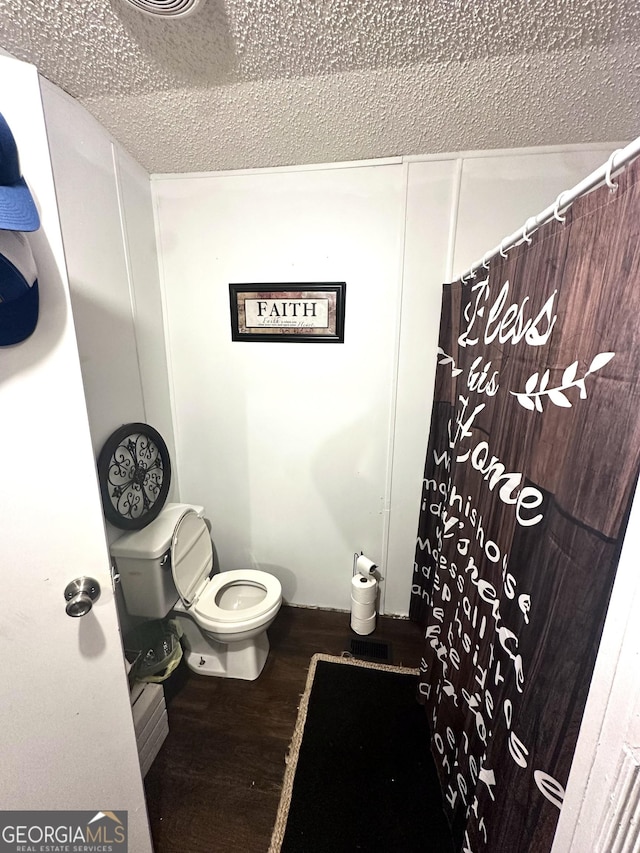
143 561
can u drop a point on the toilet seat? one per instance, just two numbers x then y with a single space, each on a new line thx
191 564
209 612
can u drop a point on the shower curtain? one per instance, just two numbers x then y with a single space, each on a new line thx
532 461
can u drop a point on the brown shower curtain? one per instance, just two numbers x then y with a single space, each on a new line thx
532 461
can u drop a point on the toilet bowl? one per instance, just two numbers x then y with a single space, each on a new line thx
165 568
237 604
225 631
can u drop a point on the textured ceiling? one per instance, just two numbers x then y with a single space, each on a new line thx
248 83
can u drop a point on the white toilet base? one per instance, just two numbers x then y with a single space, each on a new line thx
244 660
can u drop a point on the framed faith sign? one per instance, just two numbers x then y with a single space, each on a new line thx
288 313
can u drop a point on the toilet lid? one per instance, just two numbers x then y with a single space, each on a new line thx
191 556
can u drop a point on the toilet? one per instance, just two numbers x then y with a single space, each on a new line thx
165 568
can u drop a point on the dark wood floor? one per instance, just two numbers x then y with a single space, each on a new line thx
215 785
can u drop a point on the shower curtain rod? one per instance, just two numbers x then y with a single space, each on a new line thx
620 158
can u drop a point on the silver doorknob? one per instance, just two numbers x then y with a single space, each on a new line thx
80 595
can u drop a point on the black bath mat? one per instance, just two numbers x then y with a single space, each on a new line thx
360 776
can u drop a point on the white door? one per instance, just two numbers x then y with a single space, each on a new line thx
66 738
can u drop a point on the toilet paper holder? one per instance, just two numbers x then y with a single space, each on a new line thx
364 566
364 594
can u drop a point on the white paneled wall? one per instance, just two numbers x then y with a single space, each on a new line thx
104 199
87 194
499 191
285 444
305 453
139 238
431 191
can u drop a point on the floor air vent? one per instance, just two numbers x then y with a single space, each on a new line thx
371 650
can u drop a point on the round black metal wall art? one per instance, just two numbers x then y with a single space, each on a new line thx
135 473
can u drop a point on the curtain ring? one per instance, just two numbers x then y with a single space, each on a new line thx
502 251
607 175
485 261
472 275
525 234
556 209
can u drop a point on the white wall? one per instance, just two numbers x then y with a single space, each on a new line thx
305 453
431 194
285 444
106 213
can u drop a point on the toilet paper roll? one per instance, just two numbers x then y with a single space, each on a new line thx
362 611
363 626
364 590
365 566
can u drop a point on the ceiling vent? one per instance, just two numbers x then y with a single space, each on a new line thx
165 8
